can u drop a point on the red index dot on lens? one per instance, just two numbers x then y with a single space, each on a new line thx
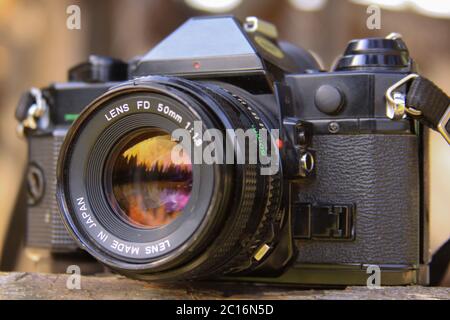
196 65
279 143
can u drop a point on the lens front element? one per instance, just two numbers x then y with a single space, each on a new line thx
149 189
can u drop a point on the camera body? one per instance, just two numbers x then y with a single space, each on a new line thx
350 184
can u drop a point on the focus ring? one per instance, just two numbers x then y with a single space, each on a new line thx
250 240
270 222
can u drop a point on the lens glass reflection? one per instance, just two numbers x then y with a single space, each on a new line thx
150 189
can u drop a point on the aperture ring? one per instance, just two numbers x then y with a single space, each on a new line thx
270 223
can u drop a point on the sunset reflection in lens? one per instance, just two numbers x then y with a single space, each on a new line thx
150 189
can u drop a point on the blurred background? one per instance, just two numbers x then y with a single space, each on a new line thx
37 48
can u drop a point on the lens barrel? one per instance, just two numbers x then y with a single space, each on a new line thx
132 208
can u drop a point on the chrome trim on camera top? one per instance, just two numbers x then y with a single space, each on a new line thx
396 107
36 113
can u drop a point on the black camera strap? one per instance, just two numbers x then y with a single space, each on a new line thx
424 101
424 96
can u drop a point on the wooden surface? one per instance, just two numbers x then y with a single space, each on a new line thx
53 286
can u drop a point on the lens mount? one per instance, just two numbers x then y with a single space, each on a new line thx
227 206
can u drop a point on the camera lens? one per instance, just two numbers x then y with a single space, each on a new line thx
146 187
147 214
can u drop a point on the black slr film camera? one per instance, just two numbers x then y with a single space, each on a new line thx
342 192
